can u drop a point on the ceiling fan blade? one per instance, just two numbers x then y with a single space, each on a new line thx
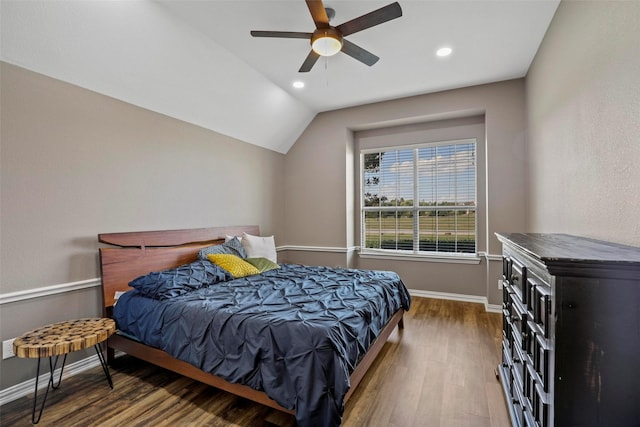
318 13
282 34
309 62
379 16
356 52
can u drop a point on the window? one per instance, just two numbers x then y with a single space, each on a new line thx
420 198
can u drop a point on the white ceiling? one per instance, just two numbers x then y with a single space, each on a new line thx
492 41
196 61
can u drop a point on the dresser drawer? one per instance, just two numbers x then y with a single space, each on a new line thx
507 292
541 354
529 337
541 408
507 362
518 279
541 307
531 382
518 317
506 268
518 406
507 328
519 367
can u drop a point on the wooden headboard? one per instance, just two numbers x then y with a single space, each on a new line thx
141 252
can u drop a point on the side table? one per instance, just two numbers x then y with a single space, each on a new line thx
61 339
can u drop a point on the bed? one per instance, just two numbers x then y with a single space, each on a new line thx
298 339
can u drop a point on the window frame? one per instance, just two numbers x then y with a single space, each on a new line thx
415 253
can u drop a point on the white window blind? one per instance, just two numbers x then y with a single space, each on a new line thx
420 198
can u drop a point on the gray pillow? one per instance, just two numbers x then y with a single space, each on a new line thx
233 247
180 280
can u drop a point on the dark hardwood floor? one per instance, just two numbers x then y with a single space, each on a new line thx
438 371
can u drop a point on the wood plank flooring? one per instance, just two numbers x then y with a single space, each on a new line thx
438 371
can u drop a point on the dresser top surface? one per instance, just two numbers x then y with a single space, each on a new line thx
552 248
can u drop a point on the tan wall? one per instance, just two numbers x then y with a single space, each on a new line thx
583 104
320 182
76 163
313 257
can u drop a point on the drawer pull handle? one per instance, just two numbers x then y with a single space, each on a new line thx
514 278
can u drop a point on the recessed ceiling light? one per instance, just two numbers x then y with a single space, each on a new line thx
298 84
444 51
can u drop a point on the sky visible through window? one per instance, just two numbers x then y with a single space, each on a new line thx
446 176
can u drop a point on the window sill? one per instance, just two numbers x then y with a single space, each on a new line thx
404 256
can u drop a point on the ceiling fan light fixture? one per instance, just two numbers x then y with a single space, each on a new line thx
326 42
444 51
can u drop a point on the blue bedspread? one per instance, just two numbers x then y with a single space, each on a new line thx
295 333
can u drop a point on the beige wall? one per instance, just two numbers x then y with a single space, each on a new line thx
75 163
320 180
583 104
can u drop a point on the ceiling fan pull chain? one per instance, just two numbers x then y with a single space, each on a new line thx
326 71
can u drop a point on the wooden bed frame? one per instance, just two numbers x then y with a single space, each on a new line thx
142 252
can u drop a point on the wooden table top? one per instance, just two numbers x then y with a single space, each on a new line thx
63 337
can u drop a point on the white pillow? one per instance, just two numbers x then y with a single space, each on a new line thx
227 238
259 247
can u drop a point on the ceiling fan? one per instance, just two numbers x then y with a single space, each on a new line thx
327 40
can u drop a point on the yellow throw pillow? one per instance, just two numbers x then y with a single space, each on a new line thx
233 264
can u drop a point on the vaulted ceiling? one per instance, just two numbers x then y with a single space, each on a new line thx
196 61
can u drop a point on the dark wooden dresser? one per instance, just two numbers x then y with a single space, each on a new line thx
571 331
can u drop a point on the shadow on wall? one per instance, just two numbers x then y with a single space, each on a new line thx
84 263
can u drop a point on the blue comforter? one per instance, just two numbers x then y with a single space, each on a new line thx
295 333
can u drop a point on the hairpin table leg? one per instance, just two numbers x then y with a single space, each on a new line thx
105 368
50 384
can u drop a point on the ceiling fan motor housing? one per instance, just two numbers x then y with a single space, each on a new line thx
326 41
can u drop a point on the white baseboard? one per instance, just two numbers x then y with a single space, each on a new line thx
490 308
27 387
493 308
